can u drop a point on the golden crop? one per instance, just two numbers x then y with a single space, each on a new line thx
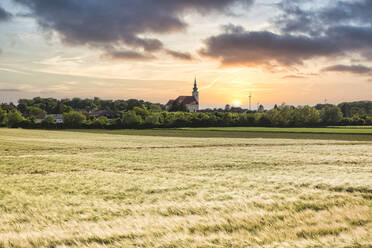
78 189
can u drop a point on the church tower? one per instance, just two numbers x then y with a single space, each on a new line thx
195 92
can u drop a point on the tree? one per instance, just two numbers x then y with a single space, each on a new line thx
176 107
73 119
349 109
321 106
60 108
331 115
131 103
49 120
263 120
15 118
101 122
131 120
22 106
282 116
155 107
35 111
152 120
141 112
3 117
169 119
306 116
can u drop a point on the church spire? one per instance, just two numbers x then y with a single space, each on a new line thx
195 86
195 92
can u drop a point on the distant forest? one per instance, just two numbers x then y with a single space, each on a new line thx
116 114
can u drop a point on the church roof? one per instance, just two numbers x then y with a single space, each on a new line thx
184 100
170 102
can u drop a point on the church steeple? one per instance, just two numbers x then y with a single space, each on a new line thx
195 92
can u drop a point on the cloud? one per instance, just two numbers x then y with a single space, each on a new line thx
296 18
4 15
300 33
12 70
126 55
179 55
357 69
237 46
294 77
119 24
10 90
354 12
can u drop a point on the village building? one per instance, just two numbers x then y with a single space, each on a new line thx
191 102
58 118
103 113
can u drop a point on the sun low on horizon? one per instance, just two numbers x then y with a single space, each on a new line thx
237 103
136 49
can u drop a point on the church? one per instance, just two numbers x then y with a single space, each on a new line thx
191 102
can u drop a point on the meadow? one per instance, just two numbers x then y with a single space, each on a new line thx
184 188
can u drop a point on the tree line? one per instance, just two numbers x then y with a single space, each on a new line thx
81 113
54 106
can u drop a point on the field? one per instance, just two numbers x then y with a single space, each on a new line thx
328 130
184 188
336 133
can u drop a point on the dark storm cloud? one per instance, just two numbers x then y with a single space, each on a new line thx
338 30
296 18
4 15
119 23
357 69
358 11
255 48
179 55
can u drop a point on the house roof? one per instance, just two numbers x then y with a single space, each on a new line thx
184 100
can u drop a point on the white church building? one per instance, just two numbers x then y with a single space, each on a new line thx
191 102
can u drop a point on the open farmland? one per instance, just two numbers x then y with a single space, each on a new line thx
366 130
112 189
246 132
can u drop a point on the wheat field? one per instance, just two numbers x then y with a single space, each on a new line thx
79 189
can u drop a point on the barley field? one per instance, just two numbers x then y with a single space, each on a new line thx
102 189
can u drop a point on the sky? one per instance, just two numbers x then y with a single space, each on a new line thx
280 51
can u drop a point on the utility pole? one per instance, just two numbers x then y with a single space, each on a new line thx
250 101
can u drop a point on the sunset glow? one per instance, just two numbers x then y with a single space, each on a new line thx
236 103
185 123
233 47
